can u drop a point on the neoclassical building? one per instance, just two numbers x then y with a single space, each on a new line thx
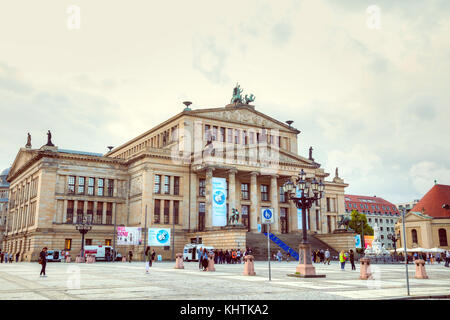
163 178
4 190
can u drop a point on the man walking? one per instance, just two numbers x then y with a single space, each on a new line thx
43 261
327 257
447 258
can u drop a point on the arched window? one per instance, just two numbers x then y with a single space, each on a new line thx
443 238
414 236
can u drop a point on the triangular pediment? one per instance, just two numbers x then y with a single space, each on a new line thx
416 216
244 115
23 156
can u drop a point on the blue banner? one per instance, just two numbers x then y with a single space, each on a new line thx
219 202
299 211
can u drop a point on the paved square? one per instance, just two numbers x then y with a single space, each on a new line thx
129 281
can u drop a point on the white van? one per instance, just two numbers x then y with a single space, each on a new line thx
54 255
98 251
190 252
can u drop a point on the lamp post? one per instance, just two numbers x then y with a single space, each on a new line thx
84 226
299 191
394 238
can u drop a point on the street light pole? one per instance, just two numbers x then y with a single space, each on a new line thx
83 227
404 248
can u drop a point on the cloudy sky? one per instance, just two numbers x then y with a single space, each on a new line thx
366 82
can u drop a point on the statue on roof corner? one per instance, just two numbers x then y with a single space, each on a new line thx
249 99
237 94
28 145
49 139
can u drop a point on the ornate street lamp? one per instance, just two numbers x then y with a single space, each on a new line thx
394 238
84 226
304 201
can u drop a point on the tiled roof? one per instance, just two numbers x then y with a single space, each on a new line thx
432 202
371 205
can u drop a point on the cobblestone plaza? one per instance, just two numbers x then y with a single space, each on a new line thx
111 281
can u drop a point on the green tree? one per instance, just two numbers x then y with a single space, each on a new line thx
357 221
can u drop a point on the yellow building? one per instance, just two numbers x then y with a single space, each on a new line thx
428 223
162 178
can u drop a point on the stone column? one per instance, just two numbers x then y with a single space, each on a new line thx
208 200
275 227
232 189
75 208
193 211
105 205
64 211
254 207
113 212
293 217
147 195
94 212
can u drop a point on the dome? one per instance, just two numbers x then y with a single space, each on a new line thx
5 172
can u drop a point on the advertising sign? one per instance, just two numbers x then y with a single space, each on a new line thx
358 241
299 212
267 215
129 236
368 241
219 202
159 237
259 228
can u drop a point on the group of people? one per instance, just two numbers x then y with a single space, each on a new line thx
345 256
321 255
431 258
8 257
149 258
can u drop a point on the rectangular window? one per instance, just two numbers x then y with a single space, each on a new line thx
166 211
88 242
166 185
201 216
237 136
91 185
215 133
81 183
110 187
282 195
264 192
69 214
176 211
230 135
80 211
90 212
99 215
252 138
222 134
157 211
207 132
157 187
68 244
245 191
245 137
71 185
202 187
109 208
328 205
100 187
176 186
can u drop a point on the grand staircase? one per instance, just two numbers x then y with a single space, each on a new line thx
287 242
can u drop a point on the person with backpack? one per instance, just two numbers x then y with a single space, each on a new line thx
233 256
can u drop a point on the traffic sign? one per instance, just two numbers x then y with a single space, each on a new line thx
267 215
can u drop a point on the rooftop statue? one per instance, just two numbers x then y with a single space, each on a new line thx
237 94
49 139
28 145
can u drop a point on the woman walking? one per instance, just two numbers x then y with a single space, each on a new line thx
43 261
148 262
352 259
342 260
205 259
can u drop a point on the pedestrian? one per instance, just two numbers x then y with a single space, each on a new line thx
438 258
17 256
288 255
279 256
314 256
153 256
327 256
238 256
447 258
200 258
342 260
130 256
6 257
205 260
43 261
10 258
352 259
1 256
233 256
148 259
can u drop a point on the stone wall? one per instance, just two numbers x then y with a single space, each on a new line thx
229 238
339 241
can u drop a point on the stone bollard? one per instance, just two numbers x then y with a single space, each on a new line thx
420 269
249 266
124 259
179 261
364 273
68 259
80 260
211 263
90 259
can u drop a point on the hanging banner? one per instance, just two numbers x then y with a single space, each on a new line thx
358 241
129 236
219 202
159 237
368 241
